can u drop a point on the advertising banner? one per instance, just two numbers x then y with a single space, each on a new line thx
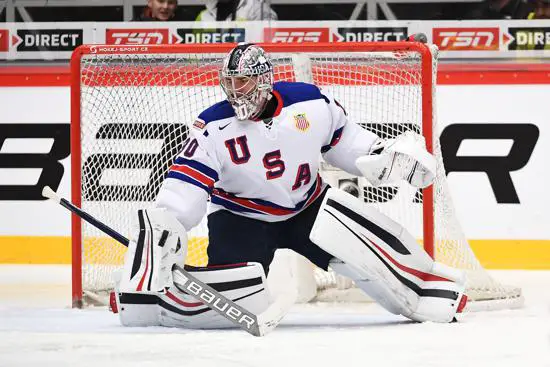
467 39
529 38
42 41
507 39
370 34
296 35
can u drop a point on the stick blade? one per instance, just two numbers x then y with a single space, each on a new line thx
48 193
270 318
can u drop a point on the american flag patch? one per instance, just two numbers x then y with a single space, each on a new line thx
301 121
199 124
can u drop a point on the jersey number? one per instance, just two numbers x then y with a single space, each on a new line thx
189 147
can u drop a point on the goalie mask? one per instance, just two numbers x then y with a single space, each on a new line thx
246 78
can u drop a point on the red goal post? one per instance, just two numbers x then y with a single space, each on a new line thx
104 69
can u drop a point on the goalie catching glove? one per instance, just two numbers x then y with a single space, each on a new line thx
402 158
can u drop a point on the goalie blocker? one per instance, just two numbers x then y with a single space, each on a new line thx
386 262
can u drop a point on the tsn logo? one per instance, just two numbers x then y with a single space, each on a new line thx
296 35
460 39
137 36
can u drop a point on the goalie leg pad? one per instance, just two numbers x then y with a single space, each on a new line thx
376 289
160 241
245 284
385 260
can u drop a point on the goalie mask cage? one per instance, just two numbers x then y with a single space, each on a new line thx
132 106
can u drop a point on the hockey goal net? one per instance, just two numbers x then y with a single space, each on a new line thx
131 107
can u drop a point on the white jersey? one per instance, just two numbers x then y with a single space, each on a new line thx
260 170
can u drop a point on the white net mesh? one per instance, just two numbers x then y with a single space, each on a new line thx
134 114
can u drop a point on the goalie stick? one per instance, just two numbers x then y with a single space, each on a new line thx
257 325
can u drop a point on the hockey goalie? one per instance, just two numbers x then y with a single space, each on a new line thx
256 156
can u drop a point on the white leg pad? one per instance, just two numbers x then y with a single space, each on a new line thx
159 242
385 261
376 289
244 284
137 314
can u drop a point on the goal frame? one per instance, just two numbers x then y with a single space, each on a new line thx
75 97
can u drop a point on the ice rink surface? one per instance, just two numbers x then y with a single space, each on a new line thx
37 328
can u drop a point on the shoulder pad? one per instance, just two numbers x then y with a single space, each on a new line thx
219 111
294 92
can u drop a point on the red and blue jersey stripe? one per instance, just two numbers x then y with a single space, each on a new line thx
235 203
194 172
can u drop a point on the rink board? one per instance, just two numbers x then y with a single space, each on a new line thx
503 233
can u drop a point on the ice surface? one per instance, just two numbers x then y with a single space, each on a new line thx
37 328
